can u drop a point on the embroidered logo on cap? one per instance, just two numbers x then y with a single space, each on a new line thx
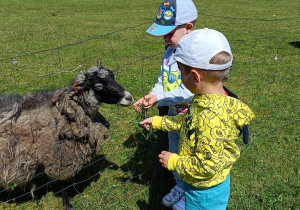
166 13
160 12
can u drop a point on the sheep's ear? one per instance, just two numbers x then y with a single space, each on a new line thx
99 64
92 72
76 88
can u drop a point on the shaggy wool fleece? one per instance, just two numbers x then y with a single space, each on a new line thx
56 134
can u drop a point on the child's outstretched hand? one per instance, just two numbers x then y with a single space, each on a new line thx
138 105
149 101
164 157
145 123
146 102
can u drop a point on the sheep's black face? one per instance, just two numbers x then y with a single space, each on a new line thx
105 88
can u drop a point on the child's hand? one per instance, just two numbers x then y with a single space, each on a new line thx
138 105
164 157
145 123
149 101
146 102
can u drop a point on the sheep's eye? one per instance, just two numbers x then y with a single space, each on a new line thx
98 86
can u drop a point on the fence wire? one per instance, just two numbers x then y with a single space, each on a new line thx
264 75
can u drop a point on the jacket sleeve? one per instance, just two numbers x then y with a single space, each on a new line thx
206 160
158 87
176 96
168 123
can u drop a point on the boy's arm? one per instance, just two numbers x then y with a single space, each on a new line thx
158 87
168 123
176 96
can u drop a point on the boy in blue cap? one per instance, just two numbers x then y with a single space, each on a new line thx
174 19
208 130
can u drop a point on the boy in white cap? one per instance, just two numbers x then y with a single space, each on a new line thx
207 148
175 19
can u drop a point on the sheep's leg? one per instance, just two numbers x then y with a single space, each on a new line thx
66 200
33 187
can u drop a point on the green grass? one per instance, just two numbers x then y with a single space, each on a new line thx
59 38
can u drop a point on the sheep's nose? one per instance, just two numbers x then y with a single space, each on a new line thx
129 98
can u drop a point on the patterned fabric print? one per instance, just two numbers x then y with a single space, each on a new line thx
171 79
207 146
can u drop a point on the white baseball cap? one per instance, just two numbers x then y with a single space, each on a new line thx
197 48
172 13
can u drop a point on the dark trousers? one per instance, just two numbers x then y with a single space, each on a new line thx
159 172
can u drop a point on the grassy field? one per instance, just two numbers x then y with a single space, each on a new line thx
43 44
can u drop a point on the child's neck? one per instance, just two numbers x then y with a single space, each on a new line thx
209 88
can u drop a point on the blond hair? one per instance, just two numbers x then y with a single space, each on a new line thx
217 75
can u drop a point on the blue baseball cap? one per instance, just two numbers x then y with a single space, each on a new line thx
172 13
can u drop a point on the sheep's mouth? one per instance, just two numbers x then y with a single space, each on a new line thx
127 99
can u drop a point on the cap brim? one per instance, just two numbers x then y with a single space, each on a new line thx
159 30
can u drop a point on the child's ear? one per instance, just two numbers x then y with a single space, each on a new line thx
196 76
189 27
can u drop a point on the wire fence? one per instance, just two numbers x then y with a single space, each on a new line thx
264 75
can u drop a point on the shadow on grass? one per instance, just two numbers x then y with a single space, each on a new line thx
295 44
145 168
44 185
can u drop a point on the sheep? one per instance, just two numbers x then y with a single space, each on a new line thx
57 130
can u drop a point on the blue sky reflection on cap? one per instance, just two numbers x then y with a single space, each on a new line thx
172 13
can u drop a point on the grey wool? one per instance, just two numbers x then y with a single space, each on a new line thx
58 130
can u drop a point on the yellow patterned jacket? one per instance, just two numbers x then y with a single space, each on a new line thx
208 131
